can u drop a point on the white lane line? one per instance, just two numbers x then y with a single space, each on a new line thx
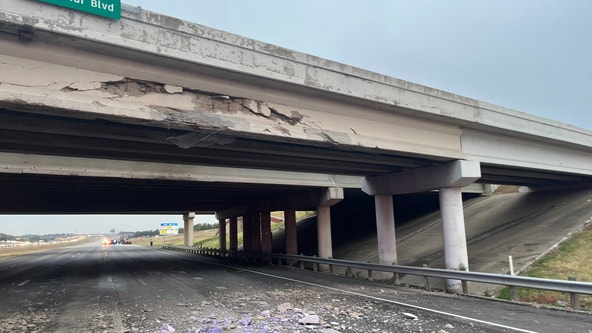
516 329
118 321
142 282
117 318
23 283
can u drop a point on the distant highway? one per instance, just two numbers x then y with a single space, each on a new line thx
128 288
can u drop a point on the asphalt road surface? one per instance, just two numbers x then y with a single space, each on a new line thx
128 288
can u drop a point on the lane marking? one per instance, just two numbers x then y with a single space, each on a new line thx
516 329
23 283
117 318
142 282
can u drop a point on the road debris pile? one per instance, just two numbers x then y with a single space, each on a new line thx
290 310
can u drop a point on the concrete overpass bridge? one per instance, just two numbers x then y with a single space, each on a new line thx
152 114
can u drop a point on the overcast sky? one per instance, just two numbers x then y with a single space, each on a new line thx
533 56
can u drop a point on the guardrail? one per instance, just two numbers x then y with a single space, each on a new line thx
574 288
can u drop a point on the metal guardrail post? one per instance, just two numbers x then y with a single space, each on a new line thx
427 283
281 261
465 286
513 293
574 297
427 279
348 271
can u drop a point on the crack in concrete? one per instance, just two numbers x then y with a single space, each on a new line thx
294 118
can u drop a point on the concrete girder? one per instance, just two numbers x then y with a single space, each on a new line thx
95 94
309 200
169 41
530 155
91 167
452 174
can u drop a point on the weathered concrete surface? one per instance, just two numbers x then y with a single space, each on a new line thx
86 93
172 38
257 89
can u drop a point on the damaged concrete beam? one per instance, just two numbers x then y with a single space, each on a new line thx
70 91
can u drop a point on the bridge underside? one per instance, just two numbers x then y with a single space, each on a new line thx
155 114
52 164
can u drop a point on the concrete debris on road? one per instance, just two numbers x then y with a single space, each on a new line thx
166 328
410 316
310 320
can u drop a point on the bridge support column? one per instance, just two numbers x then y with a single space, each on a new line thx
291 234
256 233
188 228
247 243
453 233
266 236
448 178
385 229
222 234
324 231
328 198
233 231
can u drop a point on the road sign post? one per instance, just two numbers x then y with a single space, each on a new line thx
169 228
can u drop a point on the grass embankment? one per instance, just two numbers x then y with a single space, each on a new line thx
9 252
572 258
205 238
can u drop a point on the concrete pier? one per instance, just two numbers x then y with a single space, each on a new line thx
453 233
291 235
324 232
448 178
188 227
233 231
222 234
266 236
385 230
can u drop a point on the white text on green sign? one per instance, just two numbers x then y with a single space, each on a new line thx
106 8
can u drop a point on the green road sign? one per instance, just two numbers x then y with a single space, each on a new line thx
106 8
